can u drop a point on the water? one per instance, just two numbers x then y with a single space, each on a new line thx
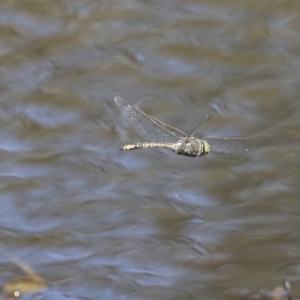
96 223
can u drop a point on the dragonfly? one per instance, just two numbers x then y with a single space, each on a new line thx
159 134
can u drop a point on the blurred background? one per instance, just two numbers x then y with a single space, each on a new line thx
96 223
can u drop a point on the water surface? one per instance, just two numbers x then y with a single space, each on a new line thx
96 223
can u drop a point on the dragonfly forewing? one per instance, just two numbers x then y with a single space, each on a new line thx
149 128
229 145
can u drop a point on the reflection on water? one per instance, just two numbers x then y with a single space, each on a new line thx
97 223
278 293
17 288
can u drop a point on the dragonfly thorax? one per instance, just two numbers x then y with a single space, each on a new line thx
191 146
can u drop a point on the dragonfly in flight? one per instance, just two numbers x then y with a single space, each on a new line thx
159 134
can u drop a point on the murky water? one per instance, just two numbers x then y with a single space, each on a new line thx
96 223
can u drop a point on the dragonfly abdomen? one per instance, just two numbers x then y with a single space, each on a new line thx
144 145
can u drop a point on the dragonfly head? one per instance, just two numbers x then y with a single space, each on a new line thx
205 148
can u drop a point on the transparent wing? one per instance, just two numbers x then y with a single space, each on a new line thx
228 145
150 128
201 125
175 131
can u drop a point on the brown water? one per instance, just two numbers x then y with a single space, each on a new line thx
101 224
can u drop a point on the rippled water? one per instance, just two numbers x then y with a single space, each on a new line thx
96 223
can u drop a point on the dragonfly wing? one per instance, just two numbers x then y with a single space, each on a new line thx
201 125
175 131
229 145
149 128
